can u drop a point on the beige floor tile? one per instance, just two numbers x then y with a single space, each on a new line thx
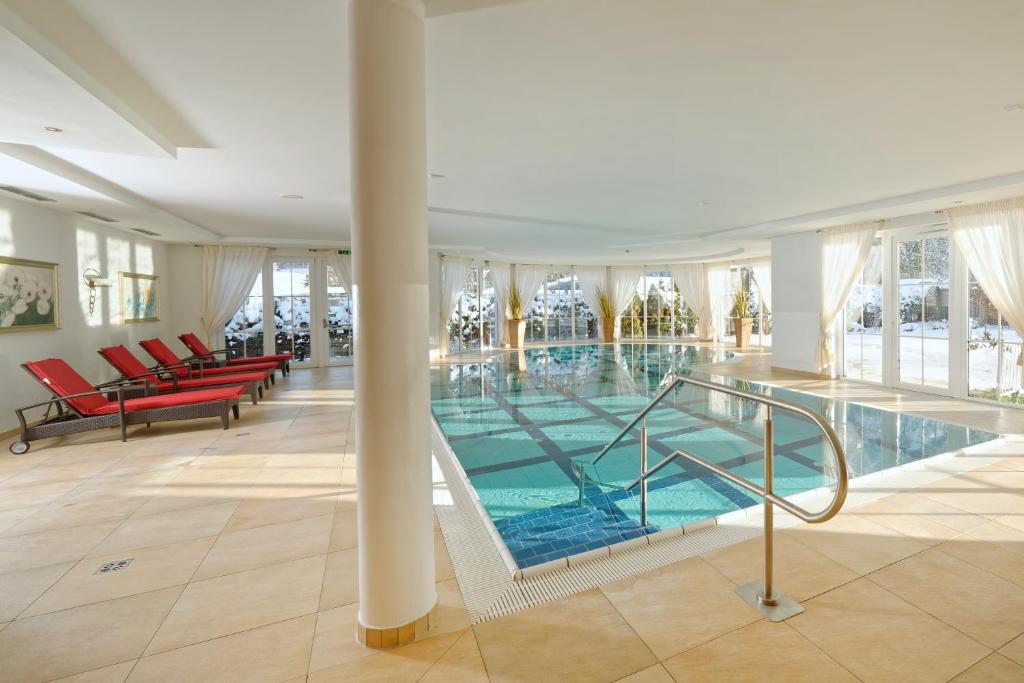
800 571
763 651
400 665
201 487
581 638
60 515
985 607
994 547
238 602
462 663
879 637
993 669
8 518
150 569
243 550
919 517
341 580
142 531
981 493
29 648
335 640
679 606
451 611
856 542
1014 650
344 532
108 674
652 674
270 654
50 547
21 589
256 512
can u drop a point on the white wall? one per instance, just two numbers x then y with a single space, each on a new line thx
32 232
796 301
185 279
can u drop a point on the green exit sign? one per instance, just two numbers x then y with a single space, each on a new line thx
345 252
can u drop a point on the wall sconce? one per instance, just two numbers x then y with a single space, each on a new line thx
93 279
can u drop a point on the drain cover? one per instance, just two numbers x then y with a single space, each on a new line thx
114 566
241 434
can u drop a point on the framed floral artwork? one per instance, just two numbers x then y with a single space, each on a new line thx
29 295
139 300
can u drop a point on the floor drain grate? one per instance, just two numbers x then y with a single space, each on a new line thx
241 434
114 566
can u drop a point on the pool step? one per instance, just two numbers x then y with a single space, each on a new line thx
560 531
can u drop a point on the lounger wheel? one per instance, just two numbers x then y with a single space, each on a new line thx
19 447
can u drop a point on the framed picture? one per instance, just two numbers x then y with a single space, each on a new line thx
29 295
139 300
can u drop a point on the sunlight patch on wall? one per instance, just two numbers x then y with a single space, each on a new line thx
6 234
144 259
87 249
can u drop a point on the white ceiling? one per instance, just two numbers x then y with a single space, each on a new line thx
567 130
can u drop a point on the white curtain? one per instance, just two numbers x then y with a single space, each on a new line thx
844 252
624 284
453 279
692 284
501 276
342 265
529 279
762 271
718 286
991 238
228 276
593 282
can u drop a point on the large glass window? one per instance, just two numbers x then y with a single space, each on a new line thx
243 335
923 266
558 312
291 309
862 343
339 318
471 325
559 299
993 351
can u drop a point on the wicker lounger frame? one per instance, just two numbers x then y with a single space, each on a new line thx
253 389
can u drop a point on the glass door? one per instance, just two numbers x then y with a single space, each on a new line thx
291 291
337 321
923 315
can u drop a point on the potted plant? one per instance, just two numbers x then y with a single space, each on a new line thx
742 322
516 325
607 317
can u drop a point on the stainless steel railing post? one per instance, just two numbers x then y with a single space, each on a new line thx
767 597
643 472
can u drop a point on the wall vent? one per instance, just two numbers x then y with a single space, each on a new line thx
25 193
146 232
97 216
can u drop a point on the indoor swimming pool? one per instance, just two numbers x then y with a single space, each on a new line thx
519 422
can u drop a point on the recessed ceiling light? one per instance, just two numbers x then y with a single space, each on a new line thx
1013 108
435 176
959 201
292 196
52 129
703 203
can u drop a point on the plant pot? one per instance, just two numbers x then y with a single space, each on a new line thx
516 333
743 327
608 329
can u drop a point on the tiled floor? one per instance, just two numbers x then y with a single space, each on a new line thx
243 549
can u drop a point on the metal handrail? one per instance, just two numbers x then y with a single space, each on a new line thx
771 602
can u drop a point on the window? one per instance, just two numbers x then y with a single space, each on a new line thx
862 342
660 297
471 325
291 309
558 298
923 266
339 318
243 335
993 351
558 312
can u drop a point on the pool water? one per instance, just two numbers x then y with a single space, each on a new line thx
517 424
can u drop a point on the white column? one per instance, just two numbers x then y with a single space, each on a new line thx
392 382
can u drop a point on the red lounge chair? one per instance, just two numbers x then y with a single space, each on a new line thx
166 380
200 350
81 407
163 355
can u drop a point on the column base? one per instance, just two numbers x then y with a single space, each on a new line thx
382 638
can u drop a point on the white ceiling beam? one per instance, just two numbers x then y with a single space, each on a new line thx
14 22
34 156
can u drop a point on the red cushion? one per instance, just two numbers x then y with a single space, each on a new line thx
132 405
62 379
262 368
276 358
125 362
213 381
160 352
194 344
